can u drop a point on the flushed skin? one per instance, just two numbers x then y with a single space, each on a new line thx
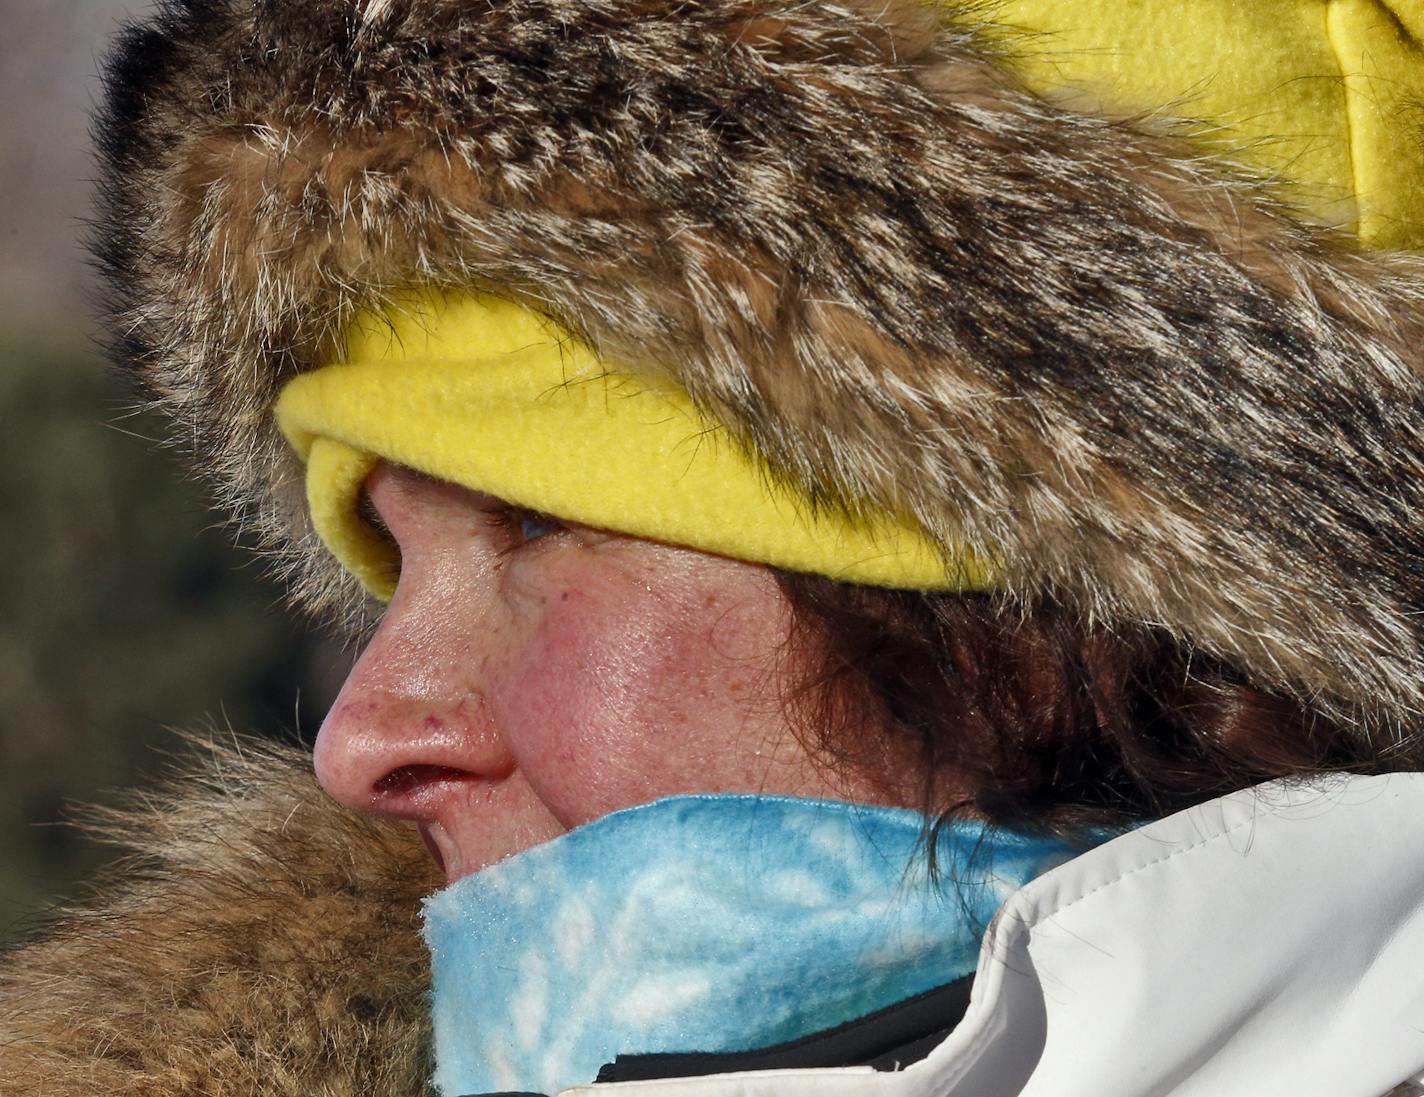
856 239
519 687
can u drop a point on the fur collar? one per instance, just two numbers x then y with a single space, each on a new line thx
854 237
264 942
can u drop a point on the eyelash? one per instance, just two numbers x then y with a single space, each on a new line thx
514 523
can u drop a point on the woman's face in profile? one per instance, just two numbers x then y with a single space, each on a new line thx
530 676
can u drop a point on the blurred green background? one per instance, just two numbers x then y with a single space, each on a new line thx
124 609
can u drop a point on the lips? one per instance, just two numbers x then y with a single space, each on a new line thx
417 791
445 852
465 821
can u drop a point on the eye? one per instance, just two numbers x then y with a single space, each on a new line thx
533 525
519 526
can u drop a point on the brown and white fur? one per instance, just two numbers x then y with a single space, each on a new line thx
260 941
858 241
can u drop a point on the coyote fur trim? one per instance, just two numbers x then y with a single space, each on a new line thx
854 237
261 941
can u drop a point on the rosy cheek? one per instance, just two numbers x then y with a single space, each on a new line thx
592 706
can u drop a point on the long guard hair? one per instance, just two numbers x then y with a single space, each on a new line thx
847 229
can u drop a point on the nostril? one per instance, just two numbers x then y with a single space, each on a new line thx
408 779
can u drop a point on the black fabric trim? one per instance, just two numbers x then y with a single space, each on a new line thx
510 1093
888 1039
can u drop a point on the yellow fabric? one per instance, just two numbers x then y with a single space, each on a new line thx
1324 95
484 393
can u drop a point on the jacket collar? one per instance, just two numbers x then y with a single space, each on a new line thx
1267 942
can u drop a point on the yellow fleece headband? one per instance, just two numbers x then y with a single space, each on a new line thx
1322 94
1327 96
484 393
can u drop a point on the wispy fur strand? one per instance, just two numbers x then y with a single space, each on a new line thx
848 230
264 942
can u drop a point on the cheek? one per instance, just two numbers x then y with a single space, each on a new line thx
614 701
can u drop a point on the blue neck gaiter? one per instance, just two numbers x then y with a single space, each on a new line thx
705 923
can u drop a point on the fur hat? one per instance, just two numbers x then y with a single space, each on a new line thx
855 237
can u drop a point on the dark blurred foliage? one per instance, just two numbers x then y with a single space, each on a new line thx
124 611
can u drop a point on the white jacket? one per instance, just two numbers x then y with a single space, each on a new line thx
1266 944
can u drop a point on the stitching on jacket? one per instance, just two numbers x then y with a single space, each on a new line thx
1248 821
969 1055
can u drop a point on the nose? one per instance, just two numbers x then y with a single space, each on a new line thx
393 740
411 720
